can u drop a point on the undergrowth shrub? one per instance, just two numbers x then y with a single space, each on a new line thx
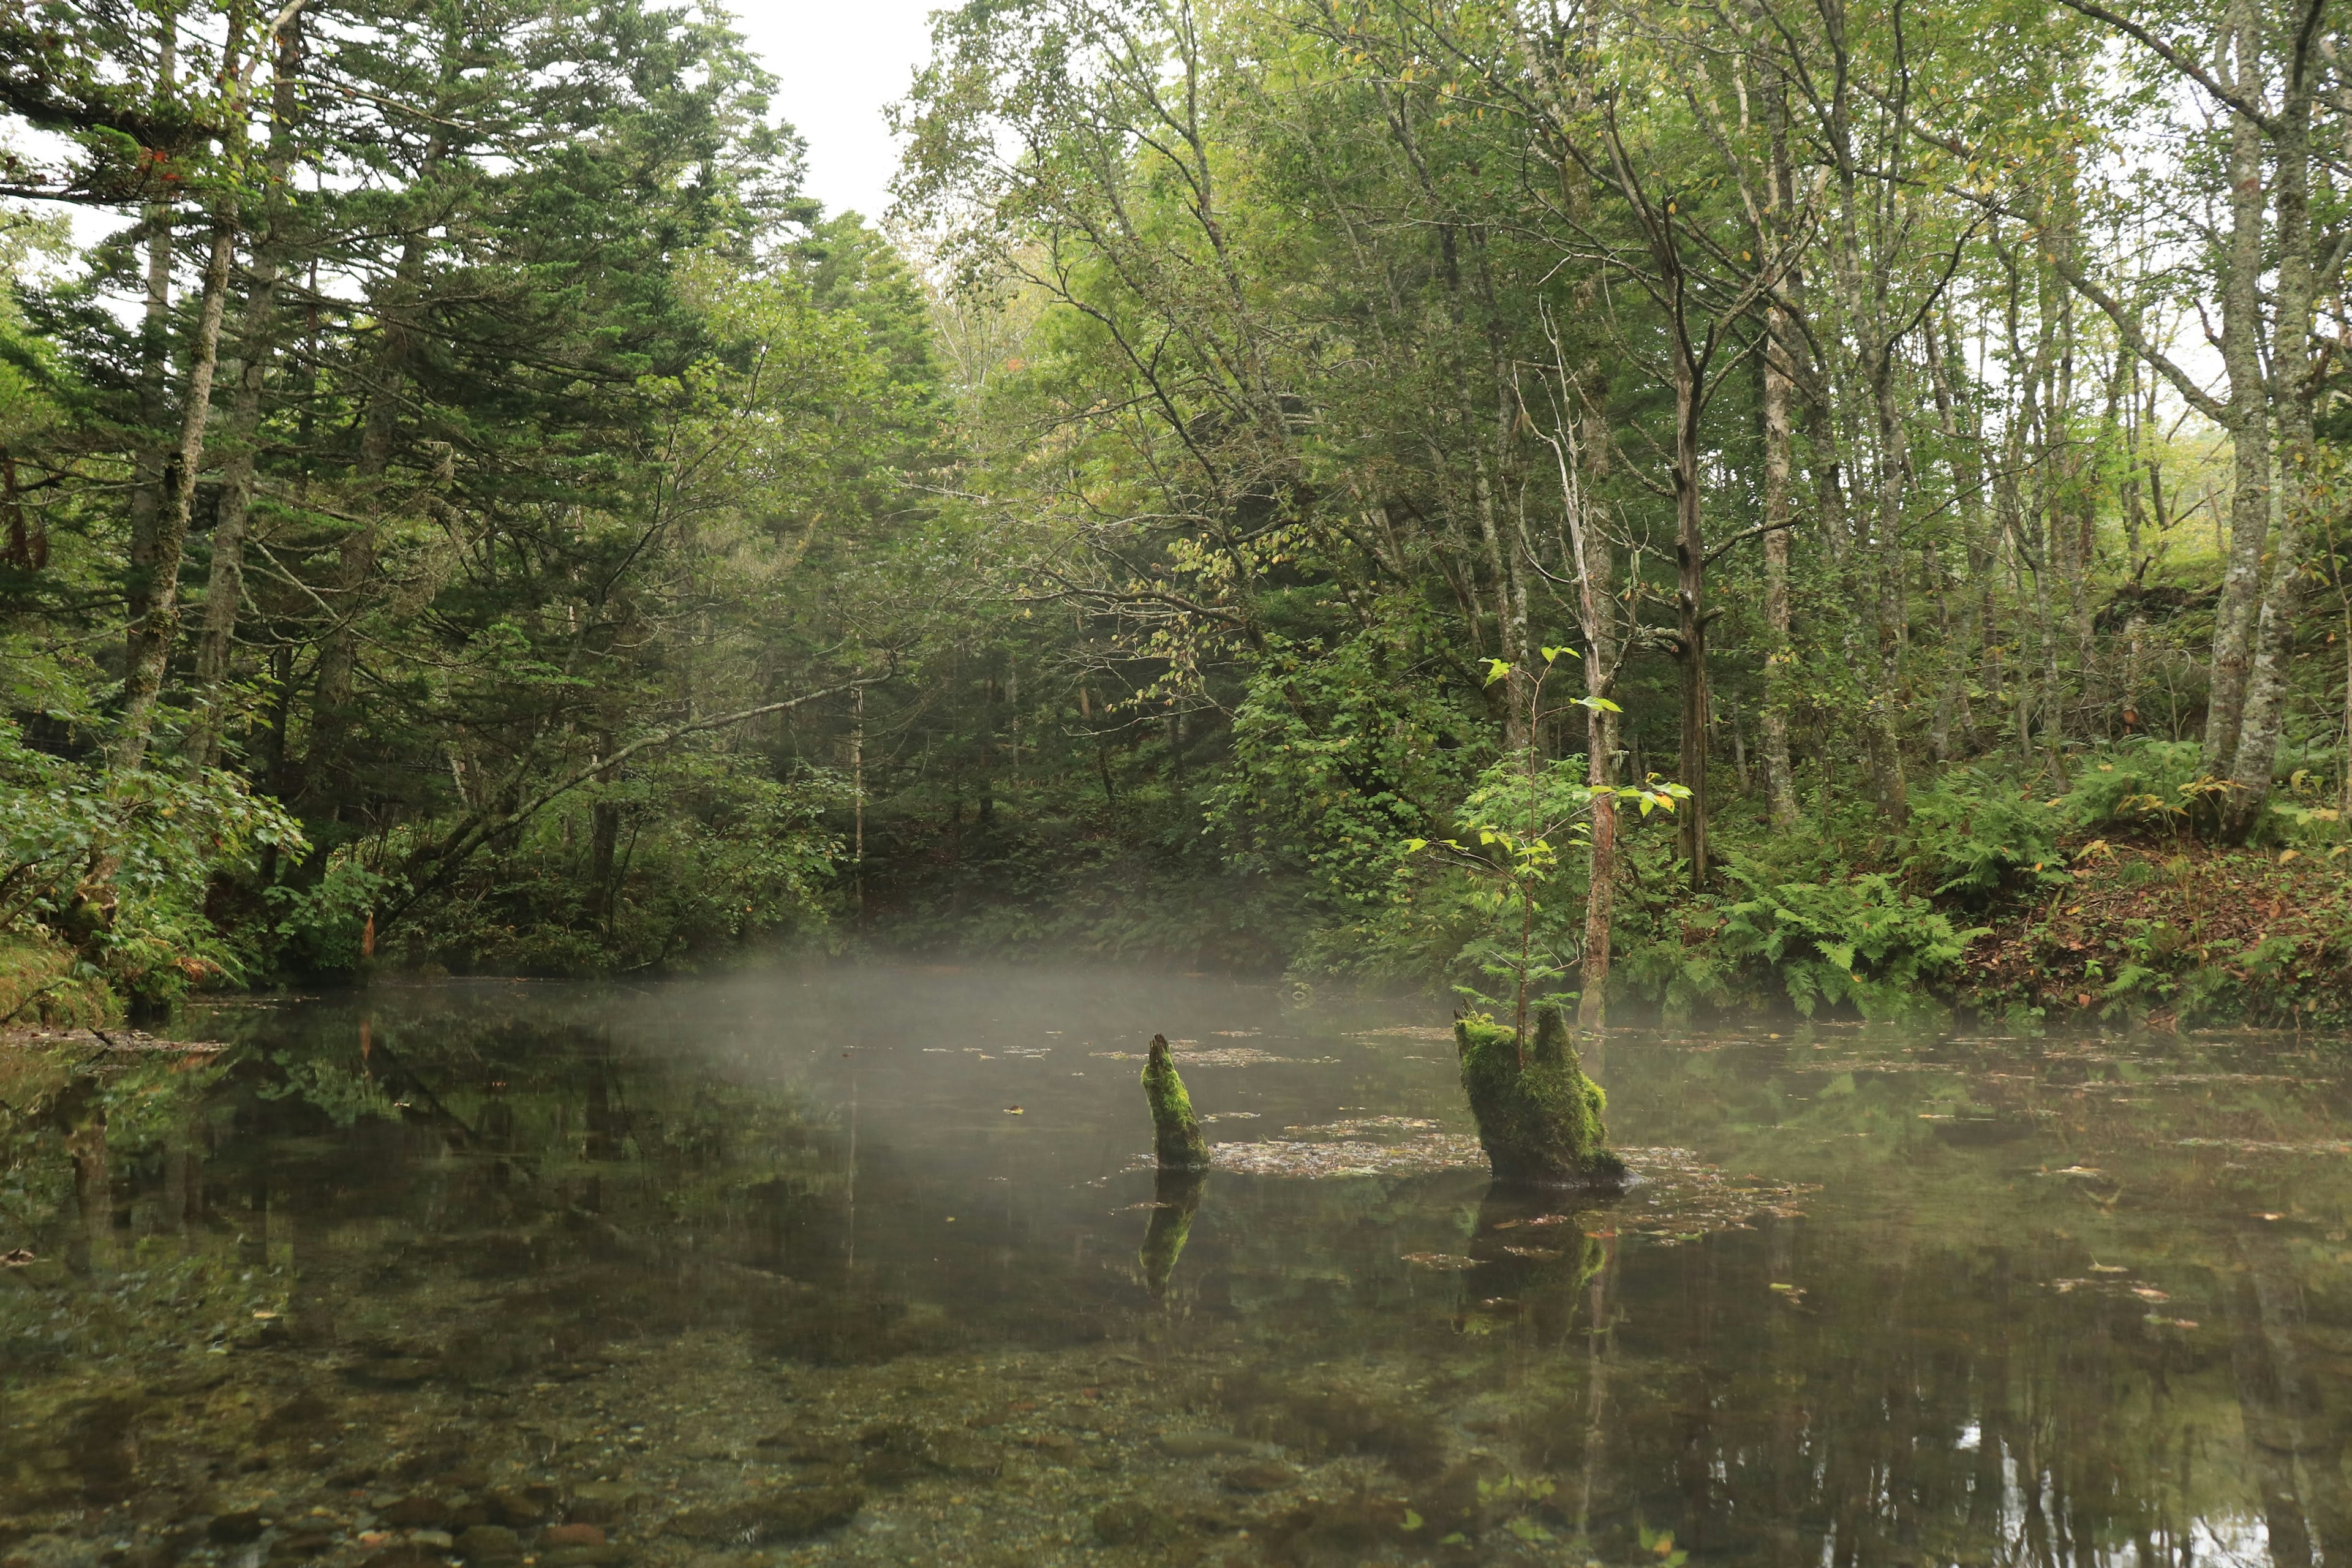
1863 942
1974 835
2139 782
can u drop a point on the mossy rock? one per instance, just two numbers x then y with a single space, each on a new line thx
1540 1118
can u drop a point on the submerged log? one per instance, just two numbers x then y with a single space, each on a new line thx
1176 1197
1539 1116
1176 1134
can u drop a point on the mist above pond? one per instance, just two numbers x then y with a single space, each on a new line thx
870 1265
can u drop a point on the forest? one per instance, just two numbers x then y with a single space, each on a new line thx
1680 503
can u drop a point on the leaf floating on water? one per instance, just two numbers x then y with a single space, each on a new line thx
1302 1157
2253 1146
1015 1111
1444 1262
1220 1057
1403 1032
2109 1268
2150 1293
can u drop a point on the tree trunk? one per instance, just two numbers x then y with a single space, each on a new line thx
2241 355
1175 1132
1540 1118
1779 783
257 345
2267 687
154 454
1691 619
153 636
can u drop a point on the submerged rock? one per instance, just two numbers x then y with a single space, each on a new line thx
1129 1523
1260 1475
484 1544
784 1515
236 1529
416 1511
1201 1444
1539 1116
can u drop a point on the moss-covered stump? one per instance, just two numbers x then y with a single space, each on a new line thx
1539 1116
1176 1197
1176 1134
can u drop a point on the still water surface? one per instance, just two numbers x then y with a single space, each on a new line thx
866 1266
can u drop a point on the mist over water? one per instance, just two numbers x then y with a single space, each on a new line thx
869 1264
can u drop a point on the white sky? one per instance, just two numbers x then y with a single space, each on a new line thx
836 63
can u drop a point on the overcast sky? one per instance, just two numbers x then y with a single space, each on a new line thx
838 62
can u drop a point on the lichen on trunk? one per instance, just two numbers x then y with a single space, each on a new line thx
1176 1134
1539 1116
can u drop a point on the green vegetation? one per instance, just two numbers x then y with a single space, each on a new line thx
1539 1116
473 511
1175 1132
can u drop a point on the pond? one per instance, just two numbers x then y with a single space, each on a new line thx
866 1265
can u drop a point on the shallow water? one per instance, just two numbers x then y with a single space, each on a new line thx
866 1266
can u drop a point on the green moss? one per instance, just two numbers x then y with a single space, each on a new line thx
1539 1118
1176 1134
1176 1198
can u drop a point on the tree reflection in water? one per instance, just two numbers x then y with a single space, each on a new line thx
2069 1303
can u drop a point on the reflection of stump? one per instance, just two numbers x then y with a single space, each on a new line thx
1538 1119
1176 1195
1176 1136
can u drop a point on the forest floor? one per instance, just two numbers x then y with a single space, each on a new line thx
2165 932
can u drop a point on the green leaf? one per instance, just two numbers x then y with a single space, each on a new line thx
1496 669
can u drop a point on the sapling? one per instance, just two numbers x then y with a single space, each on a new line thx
1538 1115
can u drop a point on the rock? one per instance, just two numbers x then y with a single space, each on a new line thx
440 1540
1131 1524
583 1557
236 1529
392 1372
304 1411
301 1544
416 1511
1201 1444
889 1468
407 1555
467 1515
571 1535
606 1503
957 1454
1259 1476
782 1515
487 1544
1055 1445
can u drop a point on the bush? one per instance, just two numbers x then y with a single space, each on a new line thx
1975 836
1863 942
2138 781
119 865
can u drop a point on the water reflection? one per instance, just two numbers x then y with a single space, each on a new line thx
871 1266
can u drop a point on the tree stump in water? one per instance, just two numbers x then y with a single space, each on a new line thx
1539 1118
1176 1134
1176 1195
